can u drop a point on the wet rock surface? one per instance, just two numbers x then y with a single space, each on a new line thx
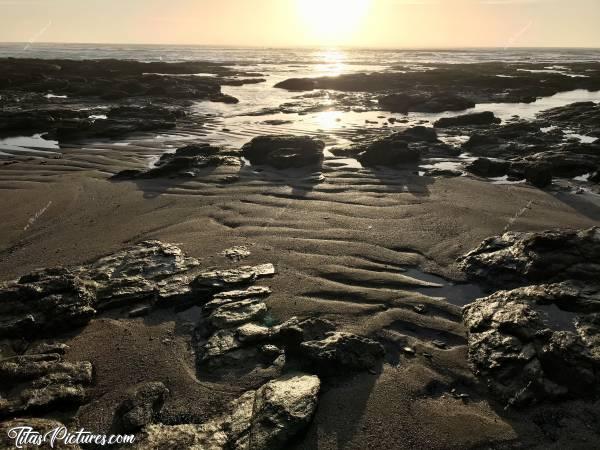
538 341
405 103
284 152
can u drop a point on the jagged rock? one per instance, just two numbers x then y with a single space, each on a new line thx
220 280
485 167
41 426
141 407
404 103
37 383
237 313
265 419
529 346
236 253
517 259
294 331
564 162
53 300
482 118
389 152
343 349
283 152
139 272
45 301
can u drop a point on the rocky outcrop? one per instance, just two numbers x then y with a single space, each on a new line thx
49 301
284 152
529 348
482 118
518 259
141 407
405 103
541 340
37 383
267 418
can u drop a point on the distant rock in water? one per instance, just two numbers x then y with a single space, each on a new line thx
297 84
186 162
482 118
284 151
405 103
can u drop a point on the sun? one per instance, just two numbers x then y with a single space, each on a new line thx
332 22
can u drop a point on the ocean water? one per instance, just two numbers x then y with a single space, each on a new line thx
233 125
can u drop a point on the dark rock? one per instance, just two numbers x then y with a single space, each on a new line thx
389 152
595 177
39 383
297 84
267 418
539 175
342 349
283 152
564 163
528 349
141 407
404 103
485 167
482 118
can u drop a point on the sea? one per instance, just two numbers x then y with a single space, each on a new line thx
233 125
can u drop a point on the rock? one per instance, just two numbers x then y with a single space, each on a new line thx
517 259
267 418
482 118
490 168
237 313
529 348
404 103
141 407
285 151
538 175
50 301
564 162
43 348
220 280
45 301
343 349
41 426
389 153
38 383
595 177
420 133
294 331
236 253
297 84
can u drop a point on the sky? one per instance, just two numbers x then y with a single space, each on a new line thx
285 23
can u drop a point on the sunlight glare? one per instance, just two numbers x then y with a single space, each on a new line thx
332 22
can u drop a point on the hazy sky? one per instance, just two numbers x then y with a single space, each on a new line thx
367 23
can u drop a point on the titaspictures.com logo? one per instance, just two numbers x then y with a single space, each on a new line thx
26 437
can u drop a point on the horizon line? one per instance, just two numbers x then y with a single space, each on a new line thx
314 46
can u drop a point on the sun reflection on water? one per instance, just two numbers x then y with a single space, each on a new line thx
329 120
330 62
